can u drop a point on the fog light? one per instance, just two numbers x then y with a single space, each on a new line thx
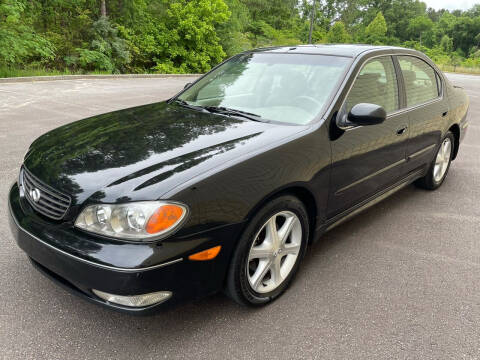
135 300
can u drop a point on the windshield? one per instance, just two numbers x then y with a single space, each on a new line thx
290 88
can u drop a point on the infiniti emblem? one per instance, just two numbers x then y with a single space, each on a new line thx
35 194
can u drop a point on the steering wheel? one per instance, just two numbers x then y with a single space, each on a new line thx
311 103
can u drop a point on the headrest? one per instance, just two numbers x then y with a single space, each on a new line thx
372 78
409 76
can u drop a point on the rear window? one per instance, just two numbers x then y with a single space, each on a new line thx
421 80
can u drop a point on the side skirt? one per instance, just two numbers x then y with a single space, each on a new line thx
367 203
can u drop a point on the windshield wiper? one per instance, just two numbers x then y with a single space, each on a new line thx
186 104
234 112
219 110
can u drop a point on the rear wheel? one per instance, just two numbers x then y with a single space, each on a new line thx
269 252
439 168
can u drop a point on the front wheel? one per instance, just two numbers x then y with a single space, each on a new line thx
269 252
439 168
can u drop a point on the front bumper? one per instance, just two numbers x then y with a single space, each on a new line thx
81 262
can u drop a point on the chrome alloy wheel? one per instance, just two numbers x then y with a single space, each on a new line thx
274 252
442 160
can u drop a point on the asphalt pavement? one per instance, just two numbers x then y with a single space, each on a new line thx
400 280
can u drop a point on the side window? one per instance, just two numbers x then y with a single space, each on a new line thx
376 84
420 80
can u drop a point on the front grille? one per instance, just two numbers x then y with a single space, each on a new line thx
51 202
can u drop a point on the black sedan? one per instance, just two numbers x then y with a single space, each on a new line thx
222 187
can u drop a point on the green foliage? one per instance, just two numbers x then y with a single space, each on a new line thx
187 36
338 34
319 36
106 50
19 43
398 13
376 31
233 33
418 26
446 44
280 14
189 39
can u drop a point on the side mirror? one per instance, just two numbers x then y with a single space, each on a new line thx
367 114
187 85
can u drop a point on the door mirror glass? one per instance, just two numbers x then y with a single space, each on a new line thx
367 114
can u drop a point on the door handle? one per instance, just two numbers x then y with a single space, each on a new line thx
402 130
445 113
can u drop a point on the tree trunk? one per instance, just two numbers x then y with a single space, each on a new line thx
103 8
312 19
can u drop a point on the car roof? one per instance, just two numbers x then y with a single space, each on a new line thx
349 50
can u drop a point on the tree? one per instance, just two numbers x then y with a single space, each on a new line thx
194 35
187 37
419 25
376 30
106 51
103 8
280 14
233 34
19 42
464 32
338 34
446 44
398 16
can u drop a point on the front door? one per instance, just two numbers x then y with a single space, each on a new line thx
367 159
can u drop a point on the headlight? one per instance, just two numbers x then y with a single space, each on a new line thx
141 221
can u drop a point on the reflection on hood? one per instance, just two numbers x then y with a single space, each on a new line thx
119 156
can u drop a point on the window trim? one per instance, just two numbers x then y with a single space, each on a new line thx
437 77
401 84
439 83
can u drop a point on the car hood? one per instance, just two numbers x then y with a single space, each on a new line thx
143 152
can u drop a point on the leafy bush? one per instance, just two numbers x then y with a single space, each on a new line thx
19 43
106 50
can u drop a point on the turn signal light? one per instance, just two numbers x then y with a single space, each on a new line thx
163 218
204 255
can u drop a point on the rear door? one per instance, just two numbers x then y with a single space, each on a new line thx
427 110
367 159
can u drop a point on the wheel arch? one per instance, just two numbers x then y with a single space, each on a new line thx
455 129
303 193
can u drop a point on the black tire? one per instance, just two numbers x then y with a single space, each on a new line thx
237 285
428 182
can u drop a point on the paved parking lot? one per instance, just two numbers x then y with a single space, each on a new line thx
398 281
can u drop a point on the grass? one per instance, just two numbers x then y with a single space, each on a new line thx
459 69
7 72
